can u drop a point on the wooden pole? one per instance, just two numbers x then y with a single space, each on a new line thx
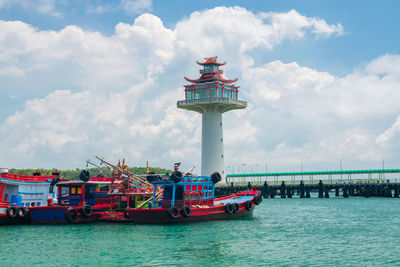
127 172
149 200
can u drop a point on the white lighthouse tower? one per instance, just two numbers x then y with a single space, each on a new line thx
211 95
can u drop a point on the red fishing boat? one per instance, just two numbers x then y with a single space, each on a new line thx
191 199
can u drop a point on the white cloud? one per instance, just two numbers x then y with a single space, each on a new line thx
136 6
47 7
117 95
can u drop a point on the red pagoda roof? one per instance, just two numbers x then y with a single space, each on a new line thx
210 77
211 60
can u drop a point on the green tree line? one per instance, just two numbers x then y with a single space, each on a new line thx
74 174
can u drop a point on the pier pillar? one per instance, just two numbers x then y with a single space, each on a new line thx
308 192
265 190
283 190
320 189
396 191
337 190
345 194
289 192
326 192
301 189
272 193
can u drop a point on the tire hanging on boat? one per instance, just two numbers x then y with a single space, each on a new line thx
257 200
229 208
86 210
11 212
216 177
249 204
186 211
176 176
126 214
84 175
236 208
21 212
71 214
173 212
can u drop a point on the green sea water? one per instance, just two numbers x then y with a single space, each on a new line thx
282 232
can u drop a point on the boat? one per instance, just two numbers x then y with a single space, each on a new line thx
18 193
76 203
192 199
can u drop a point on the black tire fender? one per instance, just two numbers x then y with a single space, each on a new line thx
11 212
176 176
173 212
84 175
249 205
229 208
86 210
236 208
21 212
71 214
186 211
216 177
126 214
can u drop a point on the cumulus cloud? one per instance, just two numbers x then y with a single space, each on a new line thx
117 95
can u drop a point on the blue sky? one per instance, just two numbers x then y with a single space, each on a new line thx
320 78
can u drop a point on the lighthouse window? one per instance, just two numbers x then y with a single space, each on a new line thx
213 92
227 93
219 92
234 95
201 93
189 95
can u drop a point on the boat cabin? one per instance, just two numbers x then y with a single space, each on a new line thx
132 198
76 193
25 190
190 191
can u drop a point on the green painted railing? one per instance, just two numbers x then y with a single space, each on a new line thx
313 173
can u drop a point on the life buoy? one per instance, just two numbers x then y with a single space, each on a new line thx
236 208
186 211
21 212
173 212
11 212
86 210
249 204
71 214
257 200
229 208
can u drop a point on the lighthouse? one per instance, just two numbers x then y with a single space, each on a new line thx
211 95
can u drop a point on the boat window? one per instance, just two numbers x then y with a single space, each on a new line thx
64 191
167 193
33 204
89 191
199 187
27 204
187 188
179 192
73 190
38 204
193 188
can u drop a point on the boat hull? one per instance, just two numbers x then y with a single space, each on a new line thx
161 216
57 215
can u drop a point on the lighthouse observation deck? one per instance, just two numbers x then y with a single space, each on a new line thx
215 96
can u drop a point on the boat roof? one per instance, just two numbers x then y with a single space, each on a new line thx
76 182
13 178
